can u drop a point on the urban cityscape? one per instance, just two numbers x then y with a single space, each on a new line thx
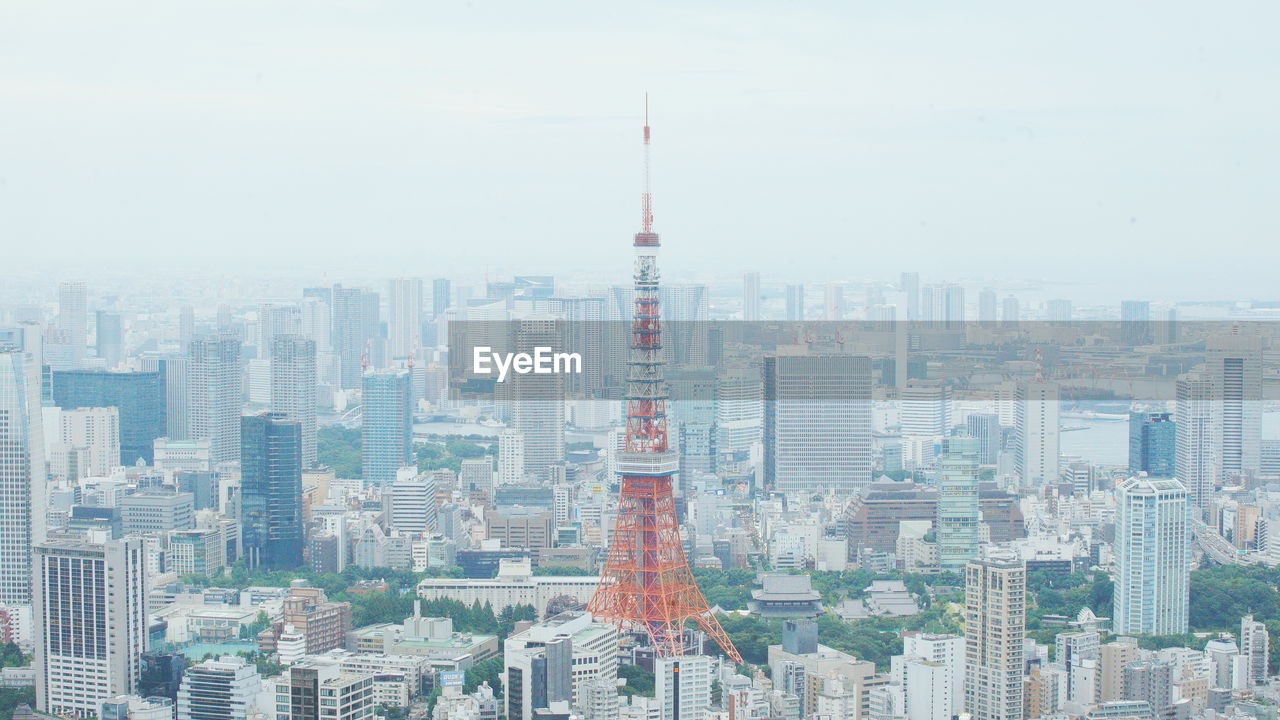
586 487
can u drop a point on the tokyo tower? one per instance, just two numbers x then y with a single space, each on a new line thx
646 584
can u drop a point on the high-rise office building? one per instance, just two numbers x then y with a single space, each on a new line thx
1009 311
584 332
73 317
387 430
413 504
833 302
137 396
186 327
985 428
354 318
1058 310
91 623
276 319
1235 366
271 490
404 316
682 686
817 423
538 675
987 306
214 393
751 297
994 627
441 296
1194 461
177 394
795 302
1152 553
22 466
1036 407
293 387
1135 323
93 434
1152 437
109 337
909 284
925 409
958 512
321 691
537 401
223 689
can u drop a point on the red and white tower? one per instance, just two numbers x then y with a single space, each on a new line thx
646 584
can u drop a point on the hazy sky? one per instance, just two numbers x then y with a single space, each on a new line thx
1103 142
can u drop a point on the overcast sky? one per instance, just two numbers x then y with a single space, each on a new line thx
1093 142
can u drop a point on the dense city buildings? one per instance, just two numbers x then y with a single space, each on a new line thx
137 396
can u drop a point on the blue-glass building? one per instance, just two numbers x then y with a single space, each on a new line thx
139 397
271 490
387 434
1151 443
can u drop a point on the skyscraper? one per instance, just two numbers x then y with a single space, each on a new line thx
1194 459
91 623
271 490
293 387
22 466
833 302
1036 410
795 302
213 383
109 337
994 626
985 428
1235 365
441 296
73 317
138 396
987 306
817 423
404 316
1135 323
751 297
1058 310
537 401
958 513
354 317
909 284
1152 437
1152 550
387 431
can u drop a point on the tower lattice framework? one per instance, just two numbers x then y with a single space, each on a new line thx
646 584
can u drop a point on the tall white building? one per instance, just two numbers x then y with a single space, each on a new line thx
537 401
73 317
1255 644
929 689
1152 557
293 387
1036 448
924 409
413 503
593 647
22 467
1194 459
91 623
682 686
510 457
946 650
994 626
404 316
93 434
817 424
751 297
213 381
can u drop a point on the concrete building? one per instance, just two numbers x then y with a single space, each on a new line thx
514 585
157 511
591 650
1037 433
995 618
1153 541
213 380
682 686
293 387
91 623
226 688
22 467
317 691
322 623
413 503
